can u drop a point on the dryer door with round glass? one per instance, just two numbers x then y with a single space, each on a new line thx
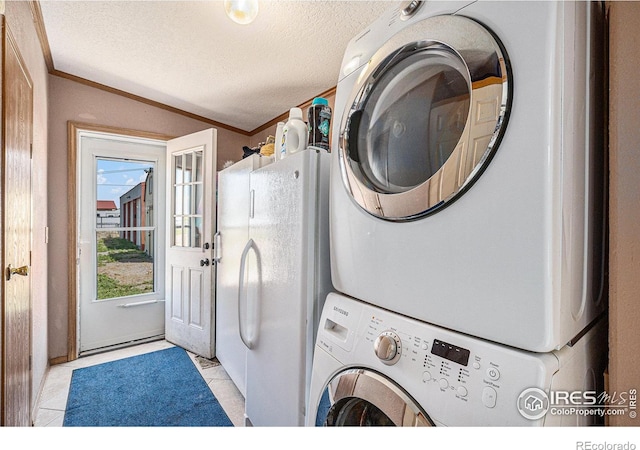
425 117
360 397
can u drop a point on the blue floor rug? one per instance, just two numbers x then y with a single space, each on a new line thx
162 388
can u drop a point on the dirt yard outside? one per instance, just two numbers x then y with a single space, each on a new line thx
123 269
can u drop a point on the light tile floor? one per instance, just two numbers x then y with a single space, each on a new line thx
53 399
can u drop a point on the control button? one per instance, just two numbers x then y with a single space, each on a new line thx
426 376
443 383
489 396
476 365
462 391
425 346
493 373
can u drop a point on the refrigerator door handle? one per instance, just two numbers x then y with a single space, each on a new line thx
243 259
217 249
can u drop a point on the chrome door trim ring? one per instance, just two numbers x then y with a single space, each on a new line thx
371 386
449 33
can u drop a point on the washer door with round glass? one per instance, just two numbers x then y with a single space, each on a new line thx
360 397
424 118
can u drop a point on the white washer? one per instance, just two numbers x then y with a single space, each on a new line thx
374 367
467 184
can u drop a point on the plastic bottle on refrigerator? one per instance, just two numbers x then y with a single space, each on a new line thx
295 132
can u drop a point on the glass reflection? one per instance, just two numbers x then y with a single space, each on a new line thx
413 120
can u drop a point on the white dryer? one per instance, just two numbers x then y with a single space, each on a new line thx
374 367
467 185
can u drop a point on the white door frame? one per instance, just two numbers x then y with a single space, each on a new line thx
73 132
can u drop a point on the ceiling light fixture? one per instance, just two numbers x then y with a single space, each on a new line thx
241 11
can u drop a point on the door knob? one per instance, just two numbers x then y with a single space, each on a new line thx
204 262
24 271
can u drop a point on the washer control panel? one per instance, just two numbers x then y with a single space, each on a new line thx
462 379
456 379
456 371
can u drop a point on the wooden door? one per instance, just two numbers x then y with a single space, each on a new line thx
17 124
191 223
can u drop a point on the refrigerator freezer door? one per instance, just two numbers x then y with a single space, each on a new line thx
233 229
284 229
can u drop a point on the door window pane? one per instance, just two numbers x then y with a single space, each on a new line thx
196 226
124 238
179 200
188 199
124 268
177 231
187 207
187 168
198 199
198 166
177 164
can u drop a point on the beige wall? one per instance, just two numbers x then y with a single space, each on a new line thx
72 101
624 208
20 23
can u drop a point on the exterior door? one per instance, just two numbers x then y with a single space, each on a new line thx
189 313
121 265
17 99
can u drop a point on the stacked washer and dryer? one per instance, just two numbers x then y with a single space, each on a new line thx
467 218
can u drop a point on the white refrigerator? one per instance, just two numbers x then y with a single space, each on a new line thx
282 282
233 204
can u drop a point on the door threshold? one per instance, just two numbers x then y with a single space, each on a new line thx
122 345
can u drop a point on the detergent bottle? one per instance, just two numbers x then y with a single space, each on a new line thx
319 116
295 132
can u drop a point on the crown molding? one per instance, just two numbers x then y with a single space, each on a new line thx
36 12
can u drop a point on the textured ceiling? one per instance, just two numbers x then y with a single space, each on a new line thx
190 56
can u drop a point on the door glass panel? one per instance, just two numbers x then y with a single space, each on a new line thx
198 199
186 232
177 164
187 168
356 412
124 238
188 199
198 166
196 226
412 120
124 268
186 207
177 231
179 200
